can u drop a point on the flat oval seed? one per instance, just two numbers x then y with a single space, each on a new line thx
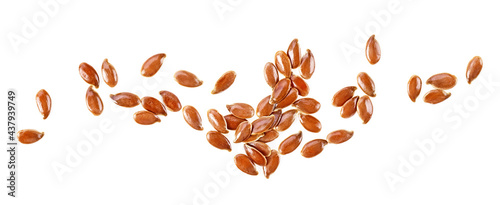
290 143
224 82
233 121
308 65
44 103
244 164
287 119
366 84
153 105
307 105
171 101
261 147
271 74
109 74
310 123
283 63
264 108
88 74
253 138
241 110
414 87
243 131
29 136
254 154
292 95
436 96
262 124
349 108
293 53
94 102
365 108
372 50
125 99
145 117
187 79
277 117
280 90
192 117
152 65
442 81
217 121
343 95
313 148
218 140
339 136
269 136
272 163
474 68
300 84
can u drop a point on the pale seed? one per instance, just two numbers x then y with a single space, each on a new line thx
44 103
224 82
29 136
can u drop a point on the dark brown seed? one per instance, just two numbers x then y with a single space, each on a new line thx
343 95
286 120
125 99
366 84
244 164
233 121
109 74
271 74
339 136
264 108
307 65
414 87
372 50
307 105
44 103
262 124
349 108
29 136
443 81
436 96
290 143
277 117
89 75
94 102
218 140
310 123
171 101
144 117
365 108
474 68
272 163
192 117
293 53
292 95
254 154
253 138
224 82
152 65
241 110
300 84
187 79
261 147
217 121
269 136
283 63
243 131
280 90
313 148
153 105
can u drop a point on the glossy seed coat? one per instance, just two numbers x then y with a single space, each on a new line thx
365 108
436 96
372 50
308 65
233 121
300 84
224 82
269 136
29 136
262 124
153 105
261 147
44 103
443 81
277 117
280 90
307 105
292 95
474 68
125 99
254 155
171 101
218 140
343 95
241 110
253 138
187 79
243 131
244 164
152 65
313 148
94 102
271 74
272 163
283 63
349 108
145 117
339 136
109 74
192 117
414 87
287 119
88 74
290 143
366 84
264 108
310 123
217 121
293 53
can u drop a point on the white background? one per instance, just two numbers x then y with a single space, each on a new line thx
170 163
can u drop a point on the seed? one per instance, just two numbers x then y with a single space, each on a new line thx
253 138
192 117
365 108
286 120
307 105
261 147
436 96
310 123
313 148
339 136
280 90
349 108
218 140
343 95
241 110
109 74
269 136
217 121
292 95
254 154
277 117
224 82
145 117
89 75
171 101
262 124
290 143
153 105
243 131
366 84
300 84
233 121
414 87
44 103
244 164
372 50
125 99
474 68
272 163
283 63
442 81
308 65
271 74
293 53
152 65
29 136
94 102
264 108
187 79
